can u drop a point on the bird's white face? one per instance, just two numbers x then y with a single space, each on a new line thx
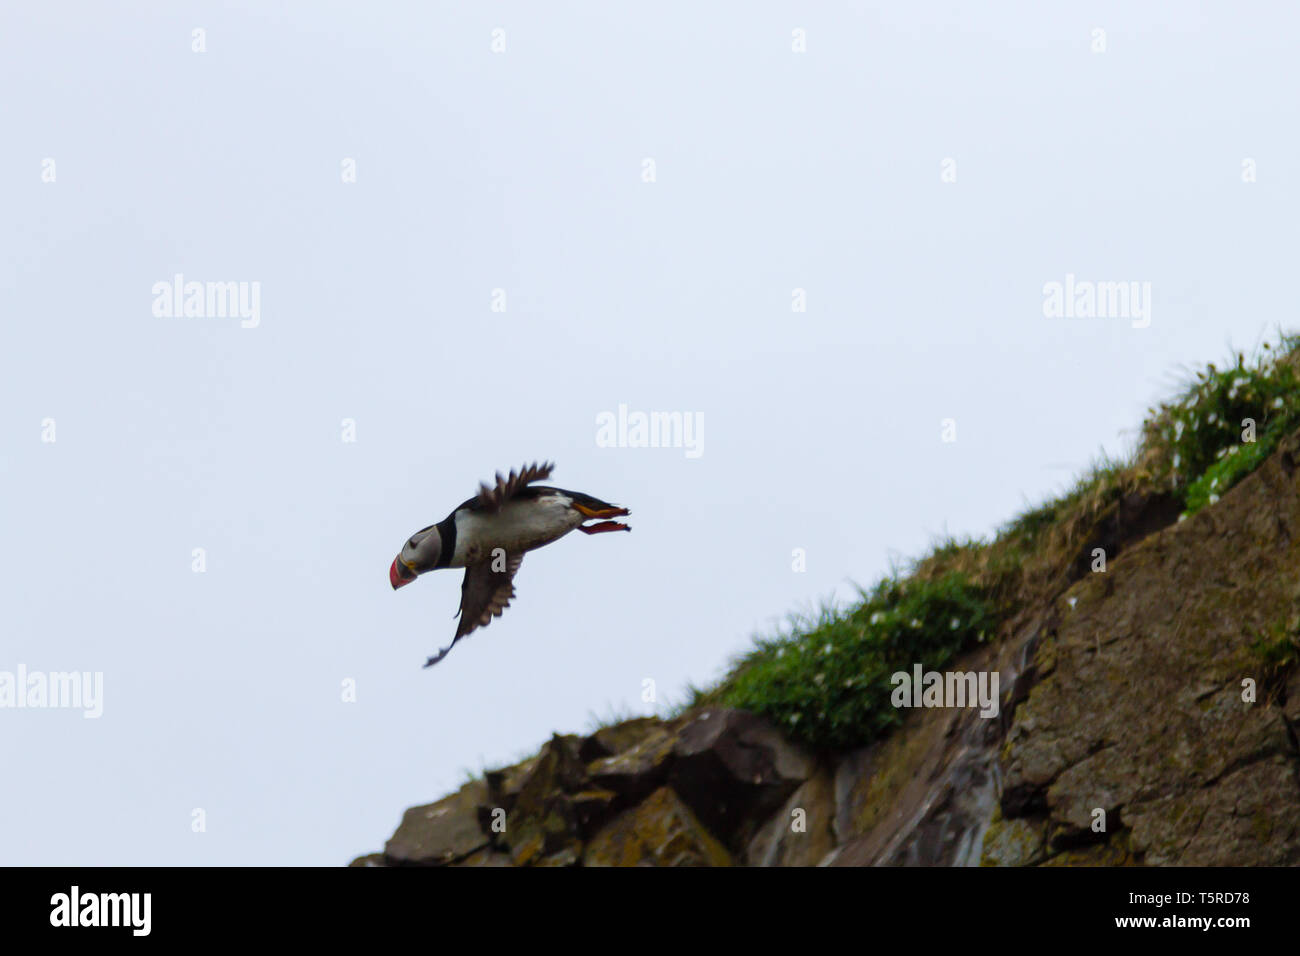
419 554
422 550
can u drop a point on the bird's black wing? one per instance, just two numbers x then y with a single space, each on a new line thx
491 499
484 594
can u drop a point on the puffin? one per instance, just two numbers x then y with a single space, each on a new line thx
488 536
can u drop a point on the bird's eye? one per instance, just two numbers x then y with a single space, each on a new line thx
418 538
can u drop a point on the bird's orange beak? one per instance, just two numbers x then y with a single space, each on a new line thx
612 512
399 574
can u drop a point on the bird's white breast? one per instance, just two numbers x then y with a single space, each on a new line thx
518 527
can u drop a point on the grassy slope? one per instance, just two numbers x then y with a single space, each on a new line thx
825 678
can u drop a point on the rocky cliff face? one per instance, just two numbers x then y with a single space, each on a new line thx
1144 720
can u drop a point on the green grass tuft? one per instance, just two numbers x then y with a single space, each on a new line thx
1237 462
1279 650
827 681
1226 423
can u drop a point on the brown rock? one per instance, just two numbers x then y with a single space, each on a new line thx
566 857
439 833
592 808
660 831
734 769
801 833
1292 709
486 857
1140 712
638 771
503 785
543 820
619 738
1013 843
1111 853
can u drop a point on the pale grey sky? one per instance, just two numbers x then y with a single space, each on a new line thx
522 170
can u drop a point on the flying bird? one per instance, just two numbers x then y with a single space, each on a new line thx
488 536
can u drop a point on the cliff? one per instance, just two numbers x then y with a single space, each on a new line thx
1144 629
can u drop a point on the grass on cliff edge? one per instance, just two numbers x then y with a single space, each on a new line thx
824 678
828 682
1225 425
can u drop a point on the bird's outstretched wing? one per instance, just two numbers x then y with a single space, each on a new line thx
491 499
484 594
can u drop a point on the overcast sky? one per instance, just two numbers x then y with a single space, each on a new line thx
921 171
